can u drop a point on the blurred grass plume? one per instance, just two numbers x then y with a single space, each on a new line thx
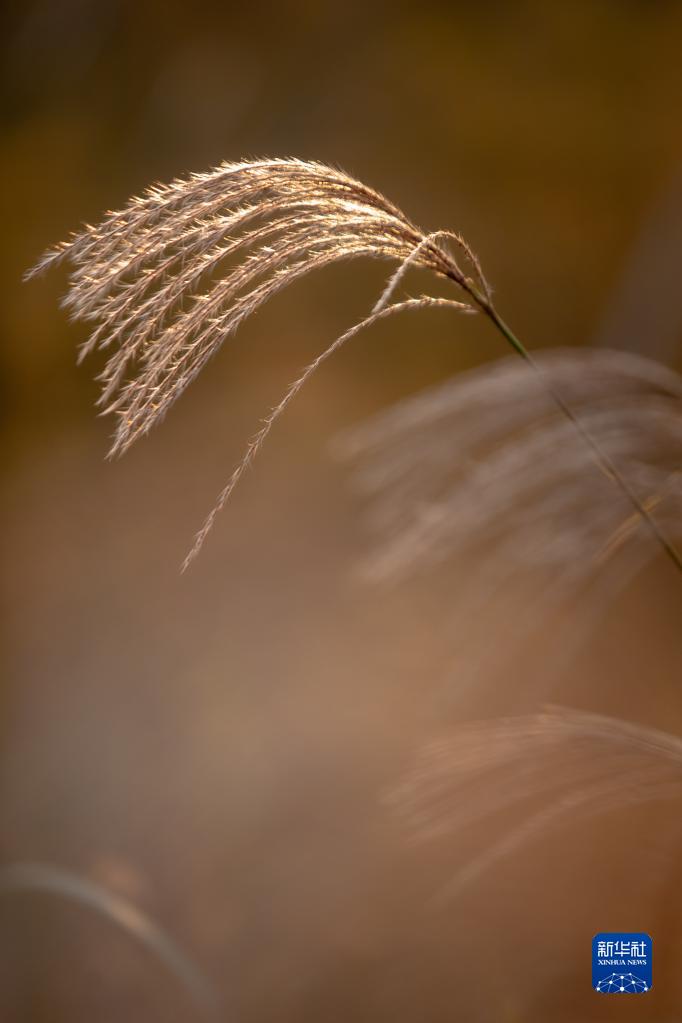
516 453
568 761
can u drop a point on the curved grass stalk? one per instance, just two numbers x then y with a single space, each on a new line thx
37 878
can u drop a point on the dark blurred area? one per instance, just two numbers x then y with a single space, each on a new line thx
215 747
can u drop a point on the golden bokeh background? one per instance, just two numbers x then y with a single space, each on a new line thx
215 746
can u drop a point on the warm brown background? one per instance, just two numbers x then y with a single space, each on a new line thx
215 746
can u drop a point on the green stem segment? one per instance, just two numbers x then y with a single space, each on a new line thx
602 460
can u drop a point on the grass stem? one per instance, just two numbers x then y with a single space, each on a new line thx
601 458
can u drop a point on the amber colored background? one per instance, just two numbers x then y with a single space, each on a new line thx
214 746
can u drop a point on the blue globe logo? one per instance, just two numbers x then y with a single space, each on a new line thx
619 983
621 963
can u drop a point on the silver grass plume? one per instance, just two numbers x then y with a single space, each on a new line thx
169 277
172 275
568 761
